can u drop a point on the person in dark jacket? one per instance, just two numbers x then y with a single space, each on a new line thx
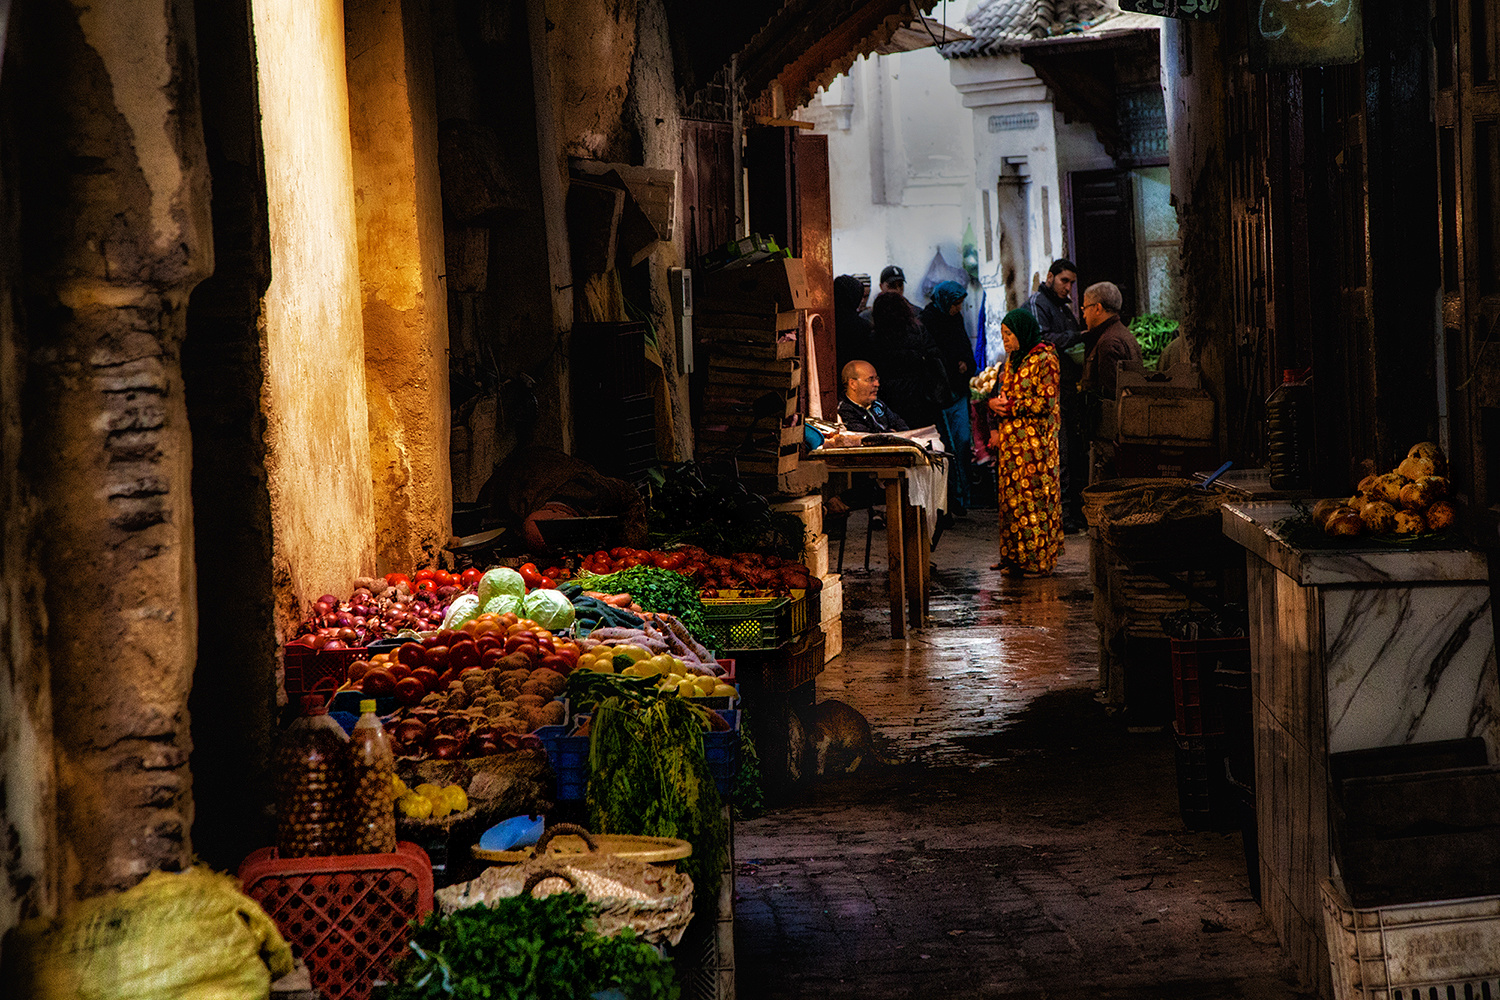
852 333
1052 305
943 319
1111 343
860 407
915 385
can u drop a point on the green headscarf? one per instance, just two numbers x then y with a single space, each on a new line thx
1024 326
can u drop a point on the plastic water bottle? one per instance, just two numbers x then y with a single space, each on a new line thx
312 785
372 811
1289 421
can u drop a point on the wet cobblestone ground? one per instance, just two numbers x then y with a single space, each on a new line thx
1023 845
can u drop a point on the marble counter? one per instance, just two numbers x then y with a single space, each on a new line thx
1350 649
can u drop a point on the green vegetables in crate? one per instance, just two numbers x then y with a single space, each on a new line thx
648 776
660 590
527 949
1153 333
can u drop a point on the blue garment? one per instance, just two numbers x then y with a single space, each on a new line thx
958 438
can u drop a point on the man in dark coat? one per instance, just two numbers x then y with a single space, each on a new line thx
944 321
1052 305
1112 343
860 407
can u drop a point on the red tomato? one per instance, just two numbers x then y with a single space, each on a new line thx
546 583
470 576
392 579
446 579
619 552
426 584
530 575
558 663
672 560
553 571
569 652
426 573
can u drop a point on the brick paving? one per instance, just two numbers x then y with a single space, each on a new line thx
1023 845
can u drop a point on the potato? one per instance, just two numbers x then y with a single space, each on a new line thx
530 701
1367 484
1416 467
537 687
1442 515
1424 492
549 676
1379 517
1410 522
1389 486
1322 509
1431 452
1345 522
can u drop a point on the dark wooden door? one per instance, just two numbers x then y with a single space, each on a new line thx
1103 232
814 244
1467 112
707 186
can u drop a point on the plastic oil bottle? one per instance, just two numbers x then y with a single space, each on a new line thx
312 785
372 825
1289 421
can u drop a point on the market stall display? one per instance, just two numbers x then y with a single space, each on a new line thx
1412 500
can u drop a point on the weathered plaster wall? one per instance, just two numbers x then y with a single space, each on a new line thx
591 44
317 436
652 116
1197 110
28 790
115 231
393 127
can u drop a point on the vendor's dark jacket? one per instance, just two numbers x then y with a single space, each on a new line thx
1114 343
876 419
1059 328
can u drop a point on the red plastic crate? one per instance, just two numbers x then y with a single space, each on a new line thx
1196 668
347 916
306 667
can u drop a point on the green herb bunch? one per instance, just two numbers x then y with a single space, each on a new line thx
527 949
661 590
1153 333
648 776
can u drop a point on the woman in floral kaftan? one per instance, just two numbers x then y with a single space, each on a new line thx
1026 448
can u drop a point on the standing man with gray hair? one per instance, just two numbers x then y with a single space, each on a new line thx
1113 342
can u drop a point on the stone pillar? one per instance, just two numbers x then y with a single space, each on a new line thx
393 130
115 235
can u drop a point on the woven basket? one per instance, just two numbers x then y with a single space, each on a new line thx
654 902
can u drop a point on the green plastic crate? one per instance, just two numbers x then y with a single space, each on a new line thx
765 623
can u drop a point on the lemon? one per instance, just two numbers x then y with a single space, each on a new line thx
440 805
427 789
725 691
705 685
398 787
458 799
414 806
687 689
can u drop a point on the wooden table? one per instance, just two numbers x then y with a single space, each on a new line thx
908 535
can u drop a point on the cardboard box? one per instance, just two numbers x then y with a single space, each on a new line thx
809 511
833 638
832 596
1162 407
815 556
781 280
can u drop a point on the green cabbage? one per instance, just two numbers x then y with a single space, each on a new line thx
550 609
504 604
500 580
463 608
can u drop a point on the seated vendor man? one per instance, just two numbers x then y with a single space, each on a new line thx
859 407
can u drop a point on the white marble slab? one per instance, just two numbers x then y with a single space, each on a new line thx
1409 664
1252 525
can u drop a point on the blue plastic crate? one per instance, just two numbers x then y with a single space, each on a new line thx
569 756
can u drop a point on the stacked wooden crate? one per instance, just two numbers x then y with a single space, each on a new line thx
809 510
750 394
750 319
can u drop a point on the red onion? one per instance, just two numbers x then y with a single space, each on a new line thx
335 644
323 608
329 599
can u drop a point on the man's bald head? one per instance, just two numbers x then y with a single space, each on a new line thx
861 384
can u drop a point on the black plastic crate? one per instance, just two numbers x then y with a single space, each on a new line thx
1204 796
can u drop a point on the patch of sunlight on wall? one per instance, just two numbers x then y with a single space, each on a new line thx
317 435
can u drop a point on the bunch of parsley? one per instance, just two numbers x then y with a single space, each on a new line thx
527 949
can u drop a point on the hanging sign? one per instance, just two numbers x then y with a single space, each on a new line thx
1189 9
1296 34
